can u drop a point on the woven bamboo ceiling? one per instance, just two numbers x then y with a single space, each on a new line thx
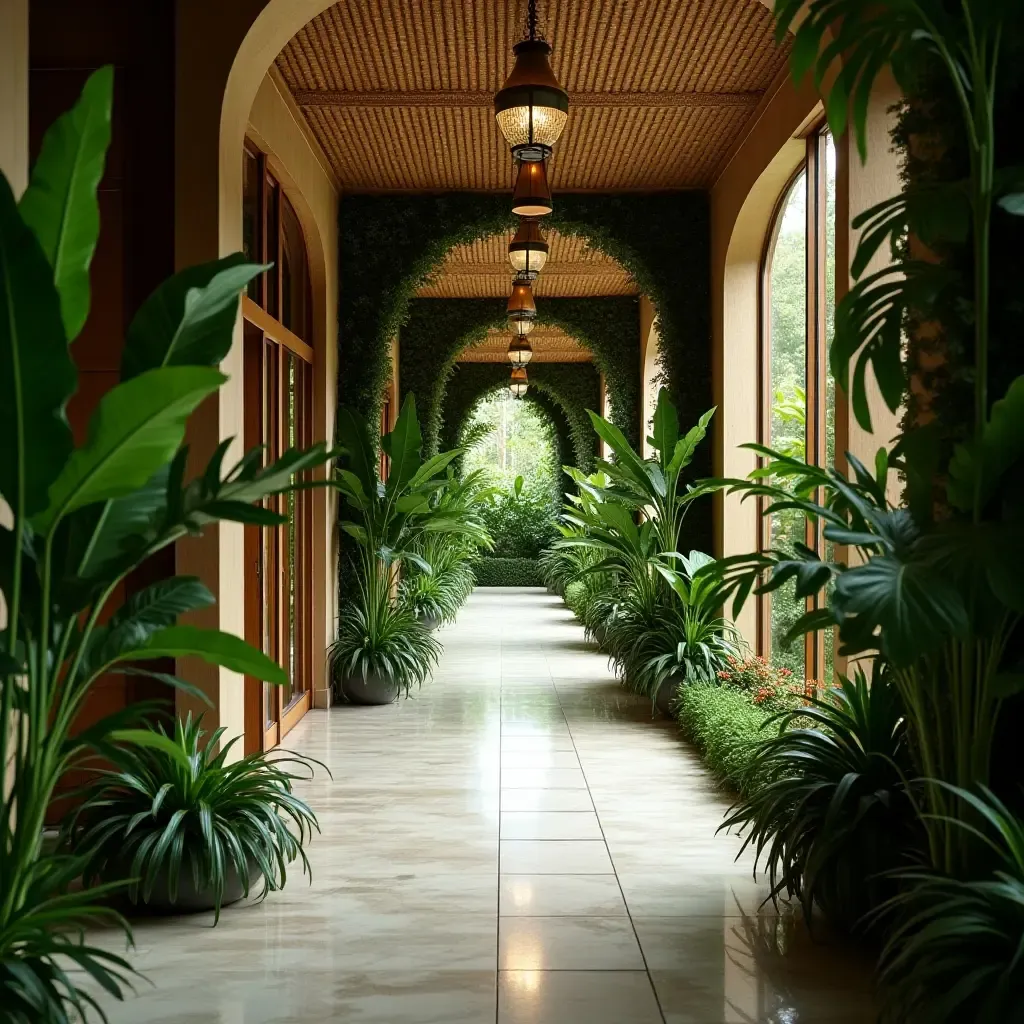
549 344
399 94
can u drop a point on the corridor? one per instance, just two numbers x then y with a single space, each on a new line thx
519 843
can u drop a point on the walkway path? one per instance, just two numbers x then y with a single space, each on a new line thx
519 844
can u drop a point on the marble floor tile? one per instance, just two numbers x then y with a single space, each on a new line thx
568 944
535 744
550 825
543 778
546 800
561 896
586 997
554 857
538 759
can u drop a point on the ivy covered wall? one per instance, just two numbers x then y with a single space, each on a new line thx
572 388
438 330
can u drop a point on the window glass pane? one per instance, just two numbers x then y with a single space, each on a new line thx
828 637
251 217
292 384
786 288
294 274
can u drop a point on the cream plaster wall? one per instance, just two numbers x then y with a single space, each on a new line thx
224 52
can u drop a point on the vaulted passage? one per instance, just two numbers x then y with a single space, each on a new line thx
519 842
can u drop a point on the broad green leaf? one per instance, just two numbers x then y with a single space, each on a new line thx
687 445
60 203
136 429
629 463
403 445
37 376
213 646
432 467
1013 203
1002 449
189 319
518 486
914 607
353 435
665 426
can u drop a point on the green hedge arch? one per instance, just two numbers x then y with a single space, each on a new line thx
390 244
571 388
439 330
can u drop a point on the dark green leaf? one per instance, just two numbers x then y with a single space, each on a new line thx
60 203
189 320
37 376
136 429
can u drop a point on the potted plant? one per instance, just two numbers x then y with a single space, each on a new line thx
382 649
83 518
190 830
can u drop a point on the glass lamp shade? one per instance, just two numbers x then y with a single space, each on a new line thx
518 383
520 352
520 325
528 251
532 197
531 106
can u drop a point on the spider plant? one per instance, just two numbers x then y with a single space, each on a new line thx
85 517
181 810
827 807
957 951
380 638
691 642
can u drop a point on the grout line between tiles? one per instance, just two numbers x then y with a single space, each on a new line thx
600 825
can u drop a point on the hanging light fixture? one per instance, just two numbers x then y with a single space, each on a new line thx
520 352
528 251
531 107
532 197
518 383
522 310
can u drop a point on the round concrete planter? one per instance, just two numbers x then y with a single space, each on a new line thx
194 901
430 622
370 690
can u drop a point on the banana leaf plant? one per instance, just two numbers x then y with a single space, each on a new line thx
388 522
938 596
82 517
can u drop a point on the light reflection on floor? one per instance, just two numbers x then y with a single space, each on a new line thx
519 843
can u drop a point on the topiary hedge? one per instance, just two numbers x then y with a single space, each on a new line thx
439 330
572 387
507 572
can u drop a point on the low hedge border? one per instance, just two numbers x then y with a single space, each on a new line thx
725 727
507 572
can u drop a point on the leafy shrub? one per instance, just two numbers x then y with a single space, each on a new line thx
830 816
770 687
522 525
507 572
181 807
726 727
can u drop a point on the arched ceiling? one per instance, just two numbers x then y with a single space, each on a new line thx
399 95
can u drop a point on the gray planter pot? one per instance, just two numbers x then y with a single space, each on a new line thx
665 698
430 622
371 690
194 901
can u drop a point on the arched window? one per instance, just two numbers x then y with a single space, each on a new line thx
797 397
278 365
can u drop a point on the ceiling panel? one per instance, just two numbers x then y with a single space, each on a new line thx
549 344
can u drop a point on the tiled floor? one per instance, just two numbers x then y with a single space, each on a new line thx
519 844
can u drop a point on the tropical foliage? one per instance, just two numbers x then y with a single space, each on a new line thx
180 810
380 635
84 517
928 589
